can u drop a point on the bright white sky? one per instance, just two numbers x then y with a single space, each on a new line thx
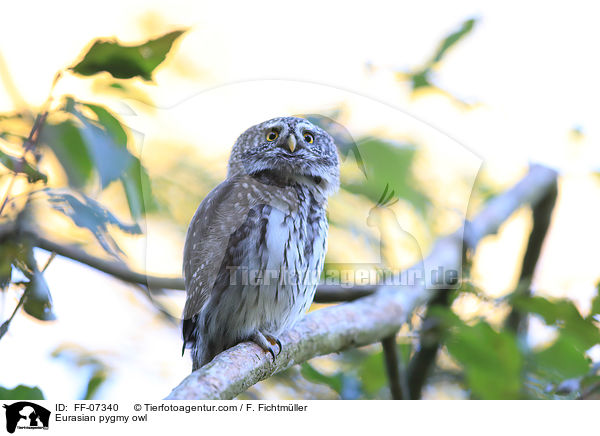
532 66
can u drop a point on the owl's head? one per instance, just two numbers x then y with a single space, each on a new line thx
290 148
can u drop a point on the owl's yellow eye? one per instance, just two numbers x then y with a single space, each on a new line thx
272 135
309 138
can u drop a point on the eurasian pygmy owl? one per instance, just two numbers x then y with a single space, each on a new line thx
255 248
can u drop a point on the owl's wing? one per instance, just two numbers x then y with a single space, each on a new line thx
205 245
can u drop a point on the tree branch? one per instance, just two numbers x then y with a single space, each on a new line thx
117 269
390 353
542 212
361 322
338 293
429 344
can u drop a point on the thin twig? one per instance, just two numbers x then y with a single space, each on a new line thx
430 339
117 269
431 335
30 143
4 326
390 353
157 305
7 192
49 261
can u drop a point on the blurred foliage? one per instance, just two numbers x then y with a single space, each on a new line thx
87 213
361 375
20 393
383 164
490 359
98 372
91 144
388 166
490 362
39 301
92 147
498 364
335 382
420 78
21 166
84 148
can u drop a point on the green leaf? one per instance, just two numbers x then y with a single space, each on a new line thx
137 189
107 120
125 62
107 139
335 382
4 328
564 315
387 164
21 392
562 360
107 144
96 380
551 312
8 252
372 374
451 40
89 214
420 80
20 165
491 360
67 144
38 302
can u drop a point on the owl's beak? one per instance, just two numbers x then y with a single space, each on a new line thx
291 142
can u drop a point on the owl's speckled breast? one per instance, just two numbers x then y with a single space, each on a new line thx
274 263
289 266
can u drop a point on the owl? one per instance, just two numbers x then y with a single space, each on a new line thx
255 248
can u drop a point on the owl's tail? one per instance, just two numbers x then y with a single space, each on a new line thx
189 332
202 352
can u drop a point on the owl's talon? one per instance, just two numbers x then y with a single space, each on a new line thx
274 341
267 343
